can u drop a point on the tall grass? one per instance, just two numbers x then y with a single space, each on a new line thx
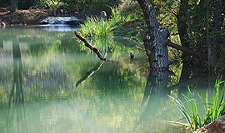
104 27
213 109
93 29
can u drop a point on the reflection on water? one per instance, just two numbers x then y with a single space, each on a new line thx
59 27
16 97
50 83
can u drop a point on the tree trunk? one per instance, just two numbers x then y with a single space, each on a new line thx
14 5
183 34
185 6
159 54
216 42
182 26
207 34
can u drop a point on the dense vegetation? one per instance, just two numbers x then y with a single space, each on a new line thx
95 5
25 4
196 25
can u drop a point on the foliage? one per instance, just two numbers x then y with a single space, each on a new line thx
213 109
54 4
104 27
129 6
187 20
93 29
82 4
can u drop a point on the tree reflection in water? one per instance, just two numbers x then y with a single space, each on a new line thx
155 90
16 99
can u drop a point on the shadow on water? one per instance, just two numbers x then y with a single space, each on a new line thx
16 100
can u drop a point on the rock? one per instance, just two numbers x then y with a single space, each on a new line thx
61 20
102 16
217 126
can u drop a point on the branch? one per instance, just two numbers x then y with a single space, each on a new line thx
87 44
171 44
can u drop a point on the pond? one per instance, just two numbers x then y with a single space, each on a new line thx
51 83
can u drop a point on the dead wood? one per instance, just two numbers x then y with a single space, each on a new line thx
87 44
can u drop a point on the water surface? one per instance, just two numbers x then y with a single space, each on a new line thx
51 83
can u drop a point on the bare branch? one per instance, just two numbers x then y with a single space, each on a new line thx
87 44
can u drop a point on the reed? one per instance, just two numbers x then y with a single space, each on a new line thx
104 28
93 29
213 109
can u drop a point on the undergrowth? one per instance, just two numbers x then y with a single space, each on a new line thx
213 109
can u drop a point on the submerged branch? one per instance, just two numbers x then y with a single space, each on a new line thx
87 44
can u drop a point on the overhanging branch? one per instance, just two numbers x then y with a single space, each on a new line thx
171 44
87 44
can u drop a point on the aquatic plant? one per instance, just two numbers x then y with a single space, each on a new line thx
213 109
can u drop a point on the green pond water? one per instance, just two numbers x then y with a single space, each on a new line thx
51 83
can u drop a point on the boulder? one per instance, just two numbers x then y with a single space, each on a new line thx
61 20
217 126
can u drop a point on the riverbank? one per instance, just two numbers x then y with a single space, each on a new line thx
34 16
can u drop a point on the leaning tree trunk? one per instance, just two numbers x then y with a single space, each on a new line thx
158 58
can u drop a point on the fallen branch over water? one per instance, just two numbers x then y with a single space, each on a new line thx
87 44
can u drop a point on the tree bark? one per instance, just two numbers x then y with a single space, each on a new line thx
158 36
207 35
183 34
